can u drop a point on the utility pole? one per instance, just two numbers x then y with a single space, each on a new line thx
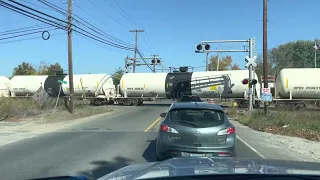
70 56
207 68
135 47
265 49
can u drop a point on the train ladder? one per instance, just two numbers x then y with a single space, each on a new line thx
83 90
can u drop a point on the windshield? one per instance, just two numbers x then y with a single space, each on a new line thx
197 117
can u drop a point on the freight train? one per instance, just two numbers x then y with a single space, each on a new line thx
134 88
292 86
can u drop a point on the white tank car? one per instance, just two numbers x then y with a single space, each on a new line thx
228 84
4 86
26 85
302 82
91 84
172 85
143 84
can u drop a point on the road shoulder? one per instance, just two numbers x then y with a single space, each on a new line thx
16 131
281 147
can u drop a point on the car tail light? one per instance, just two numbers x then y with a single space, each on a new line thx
166 128
229 130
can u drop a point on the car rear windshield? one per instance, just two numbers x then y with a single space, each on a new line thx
190 98
200 118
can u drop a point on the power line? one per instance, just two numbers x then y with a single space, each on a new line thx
24 28
100 22
5 42
24 34
108 15
21 31
126 16
133 22
106 42
54 7
109 36
13 8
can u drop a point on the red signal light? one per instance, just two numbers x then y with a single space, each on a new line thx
153 61
245 81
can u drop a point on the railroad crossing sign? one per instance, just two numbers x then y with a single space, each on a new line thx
250 61
62 82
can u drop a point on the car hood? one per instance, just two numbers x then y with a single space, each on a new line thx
205 165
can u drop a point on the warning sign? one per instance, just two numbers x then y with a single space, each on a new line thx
41 96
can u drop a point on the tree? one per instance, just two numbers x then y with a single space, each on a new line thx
24 69
117 75
225 64
298 54
51 69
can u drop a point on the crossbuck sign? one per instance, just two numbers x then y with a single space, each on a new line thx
250 61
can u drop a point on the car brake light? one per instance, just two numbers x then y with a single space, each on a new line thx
228 131
231 130
166 128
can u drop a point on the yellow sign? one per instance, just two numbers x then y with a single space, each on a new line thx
287 83
213 88
122 84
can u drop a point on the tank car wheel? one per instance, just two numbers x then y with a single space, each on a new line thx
135 102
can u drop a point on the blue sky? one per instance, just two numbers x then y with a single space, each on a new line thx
172 28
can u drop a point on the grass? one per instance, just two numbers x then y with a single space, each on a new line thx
302 123
18 108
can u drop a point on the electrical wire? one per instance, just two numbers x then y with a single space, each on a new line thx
13 8
106 42
126 16
21 31
5 42
56 8
133 22
33 26
108 15
24 34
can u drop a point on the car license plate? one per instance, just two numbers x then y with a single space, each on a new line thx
197 155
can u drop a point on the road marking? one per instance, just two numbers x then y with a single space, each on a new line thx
157 120
250 147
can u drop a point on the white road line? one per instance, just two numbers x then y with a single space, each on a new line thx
250 147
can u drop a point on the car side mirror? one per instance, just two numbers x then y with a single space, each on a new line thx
163 115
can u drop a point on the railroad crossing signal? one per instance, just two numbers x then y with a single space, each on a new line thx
247 81
202 47
155 61
250 61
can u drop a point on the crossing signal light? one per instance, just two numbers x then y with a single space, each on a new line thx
153 61
254 81
199 47
158 61
207 47
245 81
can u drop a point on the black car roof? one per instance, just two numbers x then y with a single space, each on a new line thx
195 105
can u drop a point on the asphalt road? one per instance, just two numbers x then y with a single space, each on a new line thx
92 148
